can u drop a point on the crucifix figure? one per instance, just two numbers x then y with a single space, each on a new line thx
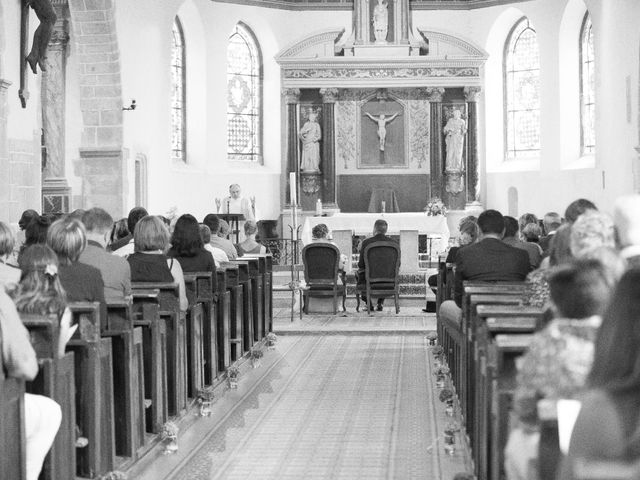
47 16
382 121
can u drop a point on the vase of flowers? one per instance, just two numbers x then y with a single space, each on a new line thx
169 436
205 398
441 376
233 373
450 430
435 207
432 338
437 356
256 356
446 397
271 339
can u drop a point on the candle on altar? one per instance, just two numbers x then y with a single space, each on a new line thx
293 190
384 205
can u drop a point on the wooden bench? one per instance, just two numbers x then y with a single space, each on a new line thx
146 314
128 378
169 310
12 429
257 295
56 380
224 317
606 470
241 317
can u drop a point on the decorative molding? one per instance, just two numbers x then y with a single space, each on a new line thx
458 4
434 94
329 95
294 49
471 94
454 182
419 119
100 153
346 115
381 73
291 95
4 84
310 183
348 4
467 47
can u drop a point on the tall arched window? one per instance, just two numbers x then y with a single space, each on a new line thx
244 96
178 94
522 92
587 89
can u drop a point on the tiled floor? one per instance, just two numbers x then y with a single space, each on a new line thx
327 407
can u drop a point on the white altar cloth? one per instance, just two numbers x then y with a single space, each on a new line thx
362 224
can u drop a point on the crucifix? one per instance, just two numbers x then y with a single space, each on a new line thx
38 54
382 121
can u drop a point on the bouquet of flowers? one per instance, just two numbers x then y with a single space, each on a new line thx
435 207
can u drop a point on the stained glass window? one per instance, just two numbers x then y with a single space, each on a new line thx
178 94
587 89
244 96
522 92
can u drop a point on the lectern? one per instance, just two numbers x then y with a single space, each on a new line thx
233 219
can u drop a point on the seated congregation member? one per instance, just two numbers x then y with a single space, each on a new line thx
551 222
218 239
149 263
609 419
9 274
489 260
38 292
379 235
531 233
559 357
320 234
218 254
250 245
115 270
626 219
511 238
35 232
187 246
119 230
82 283
125 246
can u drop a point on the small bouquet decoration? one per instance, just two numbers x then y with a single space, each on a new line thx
435 207
271 339
169 435
114 475
441 375
205 398
233 373
256 355
432 337
450 430
446 396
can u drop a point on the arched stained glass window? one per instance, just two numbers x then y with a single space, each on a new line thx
587 89
522 92
244 96
178 94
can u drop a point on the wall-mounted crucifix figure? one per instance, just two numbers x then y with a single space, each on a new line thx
382 121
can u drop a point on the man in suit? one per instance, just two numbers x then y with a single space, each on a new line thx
379 235
489 260
552 222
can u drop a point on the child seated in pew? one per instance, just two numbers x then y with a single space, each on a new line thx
39 292
559 357
608 425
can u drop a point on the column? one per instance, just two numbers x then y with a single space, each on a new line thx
291 98
329 98
404 21
471 96
434 95
55 190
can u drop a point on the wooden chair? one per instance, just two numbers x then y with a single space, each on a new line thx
12 433
381 267
321 262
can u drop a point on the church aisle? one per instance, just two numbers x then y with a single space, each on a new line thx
331 407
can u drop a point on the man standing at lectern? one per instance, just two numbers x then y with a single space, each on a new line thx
235 204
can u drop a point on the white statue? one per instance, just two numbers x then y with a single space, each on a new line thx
310 134
382 121
380 21
455 130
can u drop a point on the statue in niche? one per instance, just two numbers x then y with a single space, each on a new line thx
380 21
455 130
310 135
382 121
47 16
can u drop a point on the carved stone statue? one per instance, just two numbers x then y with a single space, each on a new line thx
310 134
455 130
382 121
380 22
47 16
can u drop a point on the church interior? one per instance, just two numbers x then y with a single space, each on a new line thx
293 116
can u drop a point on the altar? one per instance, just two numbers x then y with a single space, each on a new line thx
362 224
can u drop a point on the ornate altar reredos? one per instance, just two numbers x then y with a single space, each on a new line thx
395 109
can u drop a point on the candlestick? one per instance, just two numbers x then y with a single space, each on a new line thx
384 204
293 190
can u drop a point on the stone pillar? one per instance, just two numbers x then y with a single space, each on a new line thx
291 98
472 170
55 189
434 95
103 173
404 21
329 98
5 194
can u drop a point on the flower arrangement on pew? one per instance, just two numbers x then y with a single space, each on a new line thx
233 373
435 207
169 436
432 338
446 396
115 475
441 375
205 399
437 356
256 356
450 430
271 339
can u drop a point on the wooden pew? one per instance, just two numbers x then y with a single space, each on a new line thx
266 274
56 380
146 314
268 292
94 390
128 378
239 286
169 310
199 287
584 469
12 432
223 321
257 302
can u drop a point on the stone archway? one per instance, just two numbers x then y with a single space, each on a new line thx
98 59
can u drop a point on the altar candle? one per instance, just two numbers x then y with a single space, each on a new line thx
384 204
293 190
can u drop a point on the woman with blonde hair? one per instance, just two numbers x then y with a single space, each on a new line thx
8 273
250 245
